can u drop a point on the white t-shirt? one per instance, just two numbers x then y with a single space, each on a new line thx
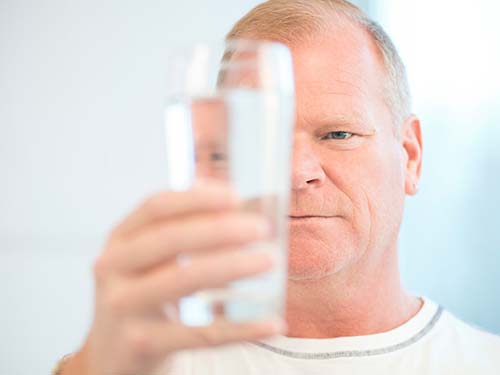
433 342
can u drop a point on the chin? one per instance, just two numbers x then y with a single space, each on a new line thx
311 259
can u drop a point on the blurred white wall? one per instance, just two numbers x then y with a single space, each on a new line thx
81 96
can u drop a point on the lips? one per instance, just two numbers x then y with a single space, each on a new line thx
310 216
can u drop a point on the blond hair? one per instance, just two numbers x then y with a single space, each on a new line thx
296 21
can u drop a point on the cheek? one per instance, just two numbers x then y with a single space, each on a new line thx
368 186
372 182
385 191
319 250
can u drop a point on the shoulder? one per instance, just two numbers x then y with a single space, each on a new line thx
468 335
470 347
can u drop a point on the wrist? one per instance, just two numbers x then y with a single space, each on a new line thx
61 364
71 364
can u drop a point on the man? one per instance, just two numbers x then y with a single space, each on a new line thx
357 153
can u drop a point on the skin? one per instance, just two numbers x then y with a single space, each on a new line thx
351 172
210 134
137 275
346 209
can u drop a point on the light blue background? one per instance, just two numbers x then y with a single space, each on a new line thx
81 95
450 240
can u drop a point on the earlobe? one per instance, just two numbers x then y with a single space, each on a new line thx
411 188
411 138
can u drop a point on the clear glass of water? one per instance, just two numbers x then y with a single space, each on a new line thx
229 116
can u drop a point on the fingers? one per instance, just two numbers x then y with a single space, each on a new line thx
171 282
141 271
223 332
207 196
161 242
161 338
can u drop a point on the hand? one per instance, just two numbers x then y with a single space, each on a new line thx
137 275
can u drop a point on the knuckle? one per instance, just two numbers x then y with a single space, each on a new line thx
104 263
209 336
117 301
114 234
187 279
194 281
101 268
164 233
153 205
138 342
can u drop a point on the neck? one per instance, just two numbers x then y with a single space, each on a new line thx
365 299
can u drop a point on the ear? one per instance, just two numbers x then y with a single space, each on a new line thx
411 138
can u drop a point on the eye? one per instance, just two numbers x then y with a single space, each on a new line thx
338 135
218 156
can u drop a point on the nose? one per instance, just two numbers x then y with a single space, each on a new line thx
307 171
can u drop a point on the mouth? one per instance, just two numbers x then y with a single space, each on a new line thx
305 217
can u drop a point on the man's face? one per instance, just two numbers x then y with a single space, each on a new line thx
349 166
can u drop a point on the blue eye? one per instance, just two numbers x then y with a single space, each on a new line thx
338 135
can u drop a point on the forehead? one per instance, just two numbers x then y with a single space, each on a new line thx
338 72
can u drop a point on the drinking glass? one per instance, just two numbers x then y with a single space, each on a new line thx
229 116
